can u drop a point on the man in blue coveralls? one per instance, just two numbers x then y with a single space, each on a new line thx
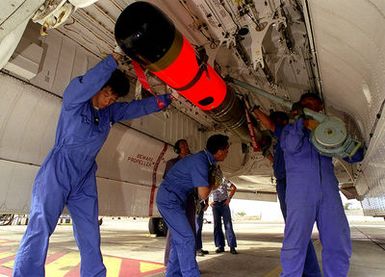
186 175
67 176
312 195
182 149
275 123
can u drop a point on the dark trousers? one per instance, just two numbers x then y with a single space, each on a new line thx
221 210
281 192
199 225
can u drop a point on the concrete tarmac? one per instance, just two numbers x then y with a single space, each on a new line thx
128 250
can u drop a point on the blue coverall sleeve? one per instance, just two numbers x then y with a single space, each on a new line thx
83 88
200 174
278 131
293 136
125 111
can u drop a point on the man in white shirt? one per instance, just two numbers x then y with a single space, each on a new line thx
221 209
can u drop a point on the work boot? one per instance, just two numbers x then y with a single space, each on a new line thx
220 250
201 252
204 251
233 251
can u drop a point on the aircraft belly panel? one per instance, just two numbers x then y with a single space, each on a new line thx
124 199
370 183
16 186
23 108
349 39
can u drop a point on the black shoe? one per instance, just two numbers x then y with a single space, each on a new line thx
200 252
220 250
204 251
233 251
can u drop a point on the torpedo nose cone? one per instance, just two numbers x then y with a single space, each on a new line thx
144 32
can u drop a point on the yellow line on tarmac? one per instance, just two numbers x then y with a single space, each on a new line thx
9 243
63 265
6 255
9 264
145 267
113 266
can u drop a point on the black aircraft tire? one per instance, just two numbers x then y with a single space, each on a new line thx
157 226
162 228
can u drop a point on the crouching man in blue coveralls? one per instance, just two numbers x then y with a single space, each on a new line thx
186 175
67 176
312 195
275 123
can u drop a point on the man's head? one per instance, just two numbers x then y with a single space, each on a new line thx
279 118
311 101
181 148
218 145
117 86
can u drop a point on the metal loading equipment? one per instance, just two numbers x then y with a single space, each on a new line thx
330 137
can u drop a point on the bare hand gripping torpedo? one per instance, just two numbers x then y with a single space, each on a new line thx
150 38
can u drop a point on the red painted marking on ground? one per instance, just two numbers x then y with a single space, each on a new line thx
6 271
131 267
7 259
53 257
5 248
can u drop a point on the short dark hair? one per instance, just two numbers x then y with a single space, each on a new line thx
310 95
217 142
119 83
177 145
278 115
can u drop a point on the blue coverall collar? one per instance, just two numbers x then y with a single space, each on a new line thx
210 157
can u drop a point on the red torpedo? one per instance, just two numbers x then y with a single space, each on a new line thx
149 37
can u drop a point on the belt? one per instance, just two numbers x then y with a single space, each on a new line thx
220 201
